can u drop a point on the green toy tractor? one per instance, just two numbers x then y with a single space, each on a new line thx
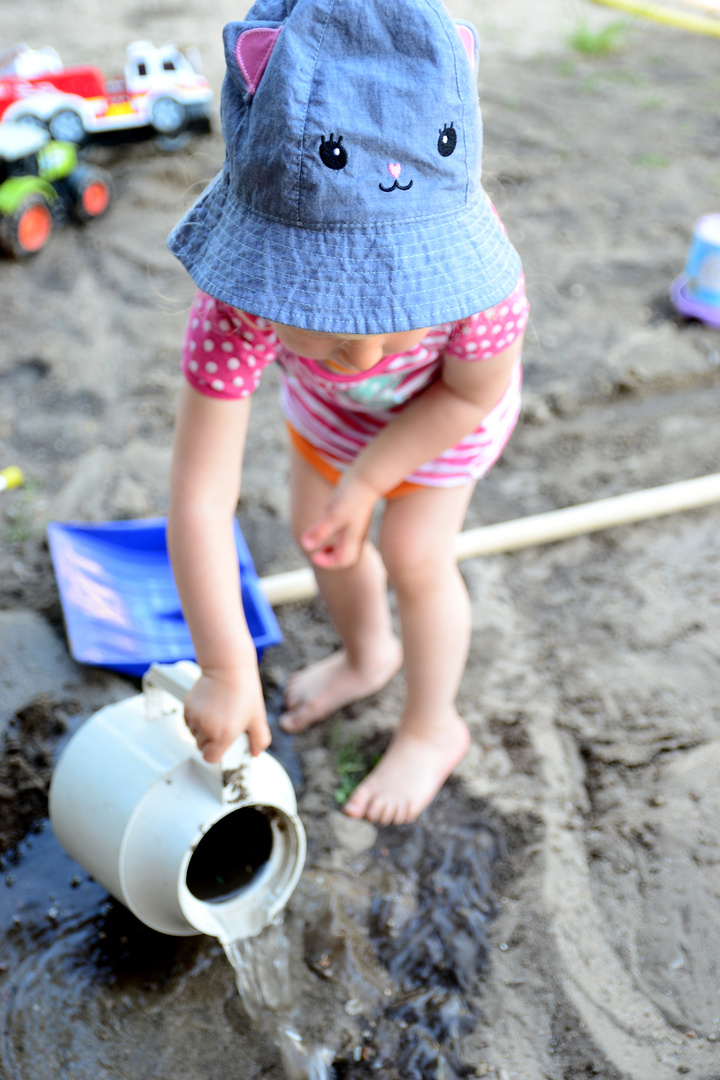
42 182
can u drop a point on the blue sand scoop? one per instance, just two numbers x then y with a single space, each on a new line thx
119 599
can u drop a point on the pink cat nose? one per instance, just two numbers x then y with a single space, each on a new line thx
394 169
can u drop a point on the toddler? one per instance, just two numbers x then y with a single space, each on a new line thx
348 239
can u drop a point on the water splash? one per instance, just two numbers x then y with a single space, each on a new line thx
262 972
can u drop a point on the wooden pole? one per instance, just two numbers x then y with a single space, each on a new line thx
697 24
539 529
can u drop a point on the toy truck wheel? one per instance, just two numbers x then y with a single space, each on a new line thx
28 229
67 126
90 191
168 116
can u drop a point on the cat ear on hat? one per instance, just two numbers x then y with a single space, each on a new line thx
471 44
253 49
248 51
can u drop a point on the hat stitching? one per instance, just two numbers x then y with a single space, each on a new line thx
471 244
303 128
461 98
438 288
439 228
384 276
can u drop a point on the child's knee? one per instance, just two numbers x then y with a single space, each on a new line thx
411 562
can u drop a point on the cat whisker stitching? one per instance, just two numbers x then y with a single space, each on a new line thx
396 185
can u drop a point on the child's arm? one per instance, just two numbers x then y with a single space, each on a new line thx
204 490
437 419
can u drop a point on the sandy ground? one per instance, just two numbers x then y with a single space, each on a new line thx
592 686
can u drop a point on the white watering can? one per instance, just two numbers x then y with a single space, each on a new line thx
189 847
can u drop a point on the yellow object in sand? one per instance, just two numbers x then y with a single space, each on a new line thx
671 15
11 477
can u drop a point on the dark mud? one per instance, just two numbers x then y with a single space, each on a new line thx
26 767
84 983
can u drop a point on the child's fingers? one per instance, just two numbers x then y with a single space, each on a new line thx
211 750
327 559
327 554
259 736
215 722
212 741
319 535
343 553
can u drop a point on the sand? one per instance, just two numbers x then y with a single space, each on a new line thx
592 686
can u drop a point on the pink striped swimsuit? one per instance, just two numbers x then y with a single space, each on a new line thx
339 413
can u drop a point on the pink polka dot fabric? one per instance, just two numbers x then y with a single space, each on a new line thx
484 335
225 351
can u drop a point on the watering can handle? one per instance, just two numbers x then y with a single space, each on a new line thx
178 680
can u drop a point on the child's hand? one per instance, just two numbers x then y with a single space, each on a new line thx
336 540
220 707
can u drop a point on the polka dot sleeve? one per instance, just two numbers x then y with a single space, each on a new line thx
489 332
225 350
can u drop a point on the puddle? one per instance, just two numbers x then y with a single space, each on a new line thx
86 989
87 992
75 968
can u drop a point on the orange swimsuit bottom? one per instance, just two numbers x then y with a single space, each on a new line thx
330 472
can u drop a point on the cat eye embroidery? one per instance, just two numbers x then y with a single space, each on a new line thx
447 141
332 152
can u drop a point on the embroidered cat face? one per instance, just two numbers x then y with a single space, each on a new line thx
332 125
334 155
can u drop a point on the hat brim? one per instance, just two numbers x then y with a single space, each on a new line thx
347 280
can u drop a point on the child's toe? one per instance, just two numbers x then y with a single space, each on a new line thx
358 803
293 721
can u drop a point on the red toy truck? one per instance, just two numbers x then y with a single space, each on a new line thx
160 89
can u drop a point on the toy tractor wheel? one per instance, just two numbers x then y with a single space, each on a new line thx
28 229
168 116
90 191
67 126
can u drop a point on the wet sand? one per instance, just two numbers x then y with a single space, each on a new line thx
575 857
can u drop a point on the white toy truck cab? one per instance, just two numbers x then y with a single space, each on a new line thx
161 89
165 84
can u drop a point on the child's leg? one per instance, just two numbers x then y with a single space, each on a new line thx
417 545
356 600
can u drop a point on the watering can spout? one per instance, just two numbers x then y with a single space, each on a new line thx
190 847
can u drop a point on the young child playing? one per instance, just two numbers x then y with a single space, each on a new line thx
348 239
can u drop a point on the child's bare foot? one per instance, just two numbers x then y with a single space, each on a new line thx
410 774
324 687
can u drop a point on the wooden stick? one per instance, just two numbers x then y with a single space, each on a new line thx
292 585
697 24
540 528
711 6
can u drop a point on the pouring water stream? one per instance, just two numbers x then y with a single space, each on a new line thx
262 972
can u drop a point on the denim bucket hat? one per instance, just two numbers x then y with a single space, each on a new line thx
350 198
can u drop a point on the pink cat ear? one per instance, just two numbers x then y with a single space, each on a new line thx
252 52
468 39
